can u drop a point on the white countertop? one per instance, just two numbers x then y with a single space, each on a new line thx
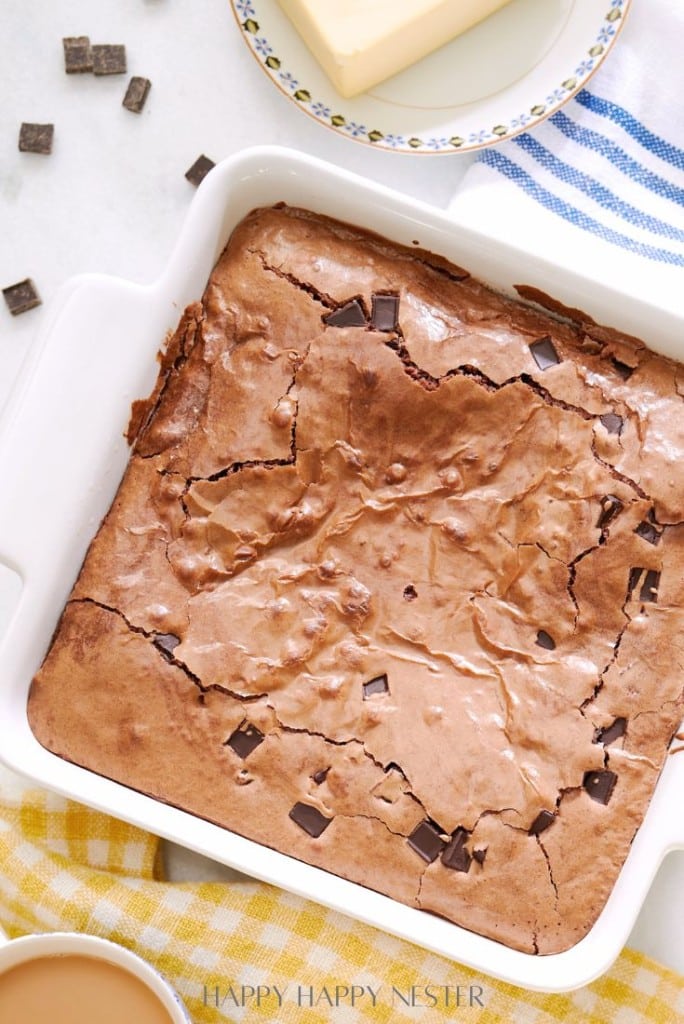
112 195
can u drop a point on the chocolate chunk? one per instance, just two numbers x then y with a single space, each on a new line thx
384 312
455 855
545 641
623 369
352 314
426 841
136 94
612 422
649 588
199 170
78 55
21 297
309 819
600 785
377 685
479 855
541 823
410 593
635 575
321 775
36 138
649 532
611 732
245 739
166 643
610 508
544 353
109 59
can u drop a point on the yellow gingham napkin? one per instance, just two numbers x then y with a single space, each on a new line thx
63 866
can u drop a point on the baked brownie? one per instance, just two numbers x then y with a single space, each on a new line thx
393 582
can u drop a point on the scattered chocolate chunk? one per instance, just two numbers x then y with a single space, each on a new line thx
623 369
649 588
309 819
540 824
352 314
611 732
166 643
377 685
384 312
78 55
109 59
610 508
199 170
455 855
649 532
612 422
544 353
410 593
320 776
479 855
245 739
545 641
36 138
21 297
600 785
426 841
136 94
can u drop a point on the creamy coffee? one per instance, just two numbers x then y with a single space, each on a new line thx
74 989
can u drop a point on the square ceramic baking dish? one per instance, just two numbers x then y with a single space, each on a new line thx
62 454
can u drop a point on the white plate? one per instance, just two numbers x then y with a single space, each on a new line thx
62 455
500 78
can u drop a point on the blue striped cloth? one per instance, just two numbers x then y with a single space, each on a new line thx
599 186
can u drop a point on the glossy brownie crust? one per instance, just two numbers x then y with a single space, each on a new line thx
393 582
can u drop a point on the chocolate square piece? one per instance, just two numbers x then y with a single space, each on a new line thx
544 353
36 138
309 819
166 643
426 841
610 508
384 312
21 297
78 55
649 588
245 739
109 59
600 785
377 685
136 94
455 855
612 732
352 314
612 422
545 640
649 532
199 170
540 824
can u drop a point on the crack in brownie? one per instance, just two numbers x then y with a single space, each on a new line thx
393 582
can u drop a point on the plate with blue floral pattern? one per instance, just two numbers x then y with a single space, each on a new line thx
502 77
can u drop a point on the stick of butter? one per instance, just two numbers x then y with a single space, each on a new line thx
359 43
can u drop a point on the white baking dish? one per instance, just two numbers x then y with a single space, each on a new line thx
62 454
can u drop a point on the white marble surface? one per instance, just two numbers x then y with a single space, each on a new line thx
112 196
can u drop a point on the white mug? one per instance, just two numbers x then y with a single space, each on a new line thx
31 947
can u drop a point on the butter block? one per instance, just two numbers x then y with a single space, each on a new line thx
359 43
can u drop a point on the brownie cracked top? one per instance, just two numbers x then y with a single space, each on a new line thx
393 582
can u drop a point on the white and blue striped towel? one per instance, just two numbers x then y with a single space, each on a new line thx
599 186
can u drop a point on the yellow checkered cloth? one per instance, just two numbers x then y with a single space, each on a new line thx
65 867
